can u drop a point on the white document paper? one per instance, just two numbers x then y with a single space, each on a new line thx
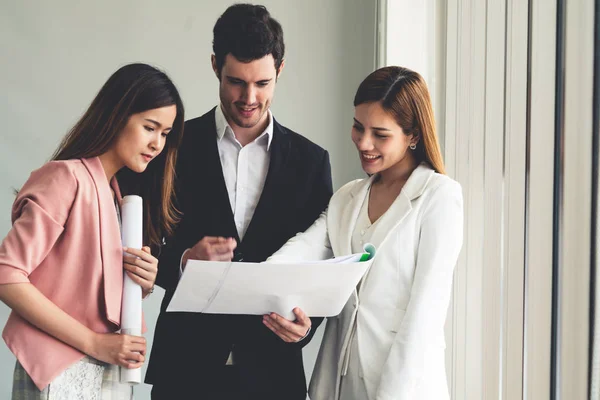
319 288
131 306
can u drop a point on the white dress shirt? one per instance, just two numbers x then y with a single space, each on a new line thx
244 168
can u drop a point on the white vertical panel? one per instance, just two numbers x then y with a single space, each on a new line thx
471 103
515 135
438 15
495 211
577 156
538 277
381 34
595 265
455 319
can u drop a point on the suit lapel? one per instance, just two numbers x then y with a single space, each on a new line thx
110 238
208 165
279 151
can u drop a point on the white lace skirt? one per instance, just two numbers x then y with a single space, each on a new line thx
87 379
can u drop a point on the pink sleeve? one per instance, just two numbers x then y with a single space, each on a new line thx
39 214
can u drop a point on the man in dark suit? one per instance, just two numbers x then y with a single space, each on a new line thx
246 184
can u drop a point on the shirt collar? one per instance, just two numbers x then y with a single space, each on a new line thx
222 126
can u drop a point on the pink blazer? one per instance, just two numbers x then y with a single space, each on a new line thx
66 241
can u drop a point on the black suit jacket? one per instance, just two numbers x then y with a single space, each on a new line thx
193 348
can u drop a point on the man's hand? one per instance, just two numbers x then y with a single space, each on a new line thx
288 331
211 248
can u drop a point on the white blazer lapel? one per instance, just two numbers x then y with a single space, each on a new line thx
349 210
401 207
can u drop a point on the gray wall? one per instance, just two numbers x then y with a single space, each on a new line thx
56 55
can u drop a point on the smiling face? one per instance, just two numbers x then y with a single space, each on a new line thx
246 90
381 143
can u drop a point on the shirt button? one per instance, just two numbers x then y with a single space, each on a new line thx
362 232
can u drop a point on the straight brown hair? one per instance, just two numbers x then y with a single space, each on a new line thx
404 95
133 89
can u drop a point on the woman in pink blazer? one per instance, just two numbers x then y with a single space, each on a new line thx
62 263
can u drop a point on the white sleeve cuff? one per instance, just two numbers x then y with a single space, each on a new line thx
307 333
181 262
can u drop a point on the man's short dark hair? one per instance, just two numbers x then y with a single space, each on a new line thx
249 33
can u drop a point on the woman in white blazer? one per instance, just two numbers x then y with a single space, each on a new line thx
388 341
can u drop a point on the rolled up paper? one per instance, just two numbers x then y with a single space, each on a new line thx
131 307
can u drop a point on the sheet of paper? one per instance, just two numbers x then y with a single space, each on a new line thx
320 289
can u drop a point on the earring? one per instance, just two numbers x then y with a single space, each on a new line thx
413 146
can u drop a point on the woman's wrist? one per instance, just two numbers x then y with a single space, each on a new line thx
147 292
89 345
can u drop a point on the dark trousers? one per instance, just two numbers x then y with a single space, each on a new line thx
229 385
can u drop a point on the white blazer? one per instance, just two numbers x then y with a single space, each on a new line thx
404 297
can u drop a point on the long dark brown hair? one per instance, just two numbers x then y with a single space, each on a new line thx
133 89
403 94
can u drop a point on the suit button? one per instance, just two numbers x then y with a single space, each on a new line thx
238 256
